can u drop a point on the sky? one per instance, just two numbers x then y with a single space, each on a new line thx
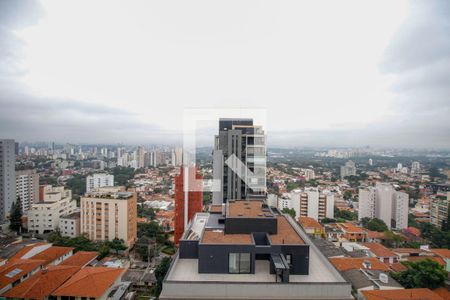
326 73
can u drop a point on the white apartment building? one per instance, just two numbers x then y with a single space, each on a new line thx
349 169
308 203
44 216
69 225
27 188
107 213
439 210
177 156
385 203
99 180
309 174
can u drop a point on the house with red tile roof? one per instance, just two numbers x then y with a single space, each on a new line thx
311 226
445 255
54 255
40 285
81 259
16 271
382 253
90 282
355 263
352 232
411 294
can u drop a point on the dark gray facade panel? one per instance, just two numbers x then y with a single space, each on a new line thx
250 225
214 258
188 249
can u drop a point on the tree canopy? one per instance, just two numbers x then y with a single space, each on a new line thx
422 274
376 224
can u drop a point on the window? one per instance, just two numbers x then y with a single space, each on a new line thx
239 263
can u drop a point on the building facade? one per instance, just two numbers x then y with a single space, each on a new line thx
385 203
7 177
240 139
439 211
349 169
27 188
45 215
99 180
194 203
108 213
69 225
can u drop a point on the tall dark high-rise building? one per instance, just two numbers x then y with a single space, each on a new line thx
247 142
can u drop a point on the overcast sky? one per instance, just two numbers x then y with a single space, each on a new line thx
328 73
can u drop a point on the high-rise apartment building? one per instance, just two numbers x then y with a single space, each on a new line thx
99 180
140 157
108 213
194 203
385 203
177 157
247 142
7 177
27 188
349 169
439 211
44 216
309 202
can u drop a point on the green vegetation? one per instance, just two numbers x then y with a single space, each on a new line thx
47 180
437 237
146 212
147 234
160 273
289 211
345 214
77 184
15 218
377 225
83 243
422 274
207 197
122 175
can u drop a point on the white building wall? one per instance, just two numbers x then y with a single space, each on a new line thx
366 206
330 206
99 180
401 207
383 205
313 203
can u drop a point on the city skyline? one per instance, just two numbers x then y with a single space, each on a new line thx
374 84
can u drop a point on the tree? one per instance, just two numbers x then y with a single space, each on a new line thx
365 221
15 219
422 274
377 225
289 211
392 240
117 245
344 214
160 273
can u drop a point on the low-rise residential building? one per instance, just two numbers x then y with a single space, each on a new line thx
352 232
108 213
382 253
69 225
90 283
312 227
45 215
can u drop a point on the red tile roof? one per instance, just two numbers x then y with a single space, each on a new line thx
307 222
19 254
444 253
379 250
81 258
51 254
412 294
90 282
443 292
351 228
16 269
42 284
356 263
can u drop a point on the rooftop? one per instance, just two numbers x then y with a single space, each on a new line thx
319 271
247 208
74 215
412 294
361 279
81 258
307 222
355 263
444 253
90 282
16 269
43 283
52 253
286 234
379 250
219 237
